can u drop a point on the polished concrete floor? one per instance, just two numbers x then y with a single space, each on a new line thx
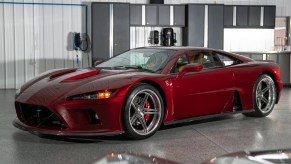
184 143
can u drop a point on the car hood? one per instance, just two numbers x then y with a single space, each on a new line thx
49 87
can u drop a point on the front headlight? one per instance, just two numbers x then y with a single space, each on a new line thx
91 96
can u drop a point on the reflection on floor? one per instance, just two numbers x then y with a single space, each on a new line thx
185 143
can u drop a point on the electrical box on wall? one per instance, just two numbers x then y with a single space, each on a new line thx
78 41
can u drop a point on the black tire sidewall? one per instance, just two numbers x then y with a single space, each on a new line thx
129 132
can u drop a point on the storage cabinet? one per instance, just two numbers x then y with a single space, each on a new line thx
228 16
194 32
151 15
179 15
269 16
164 15
254 16
157 15
242 16
121 28
135 15
100 29
110 29
284 62
215 26
249 17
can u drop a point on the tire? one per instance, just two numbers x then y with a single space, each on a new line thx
264 96
143 111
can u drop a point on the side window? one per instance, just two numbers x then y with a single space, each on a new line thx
207 59
181 62
226 60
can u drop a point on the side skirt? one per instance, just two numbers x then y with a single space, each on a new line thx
206 117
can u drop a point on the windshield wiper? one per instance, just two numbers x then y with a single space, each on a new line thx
135 67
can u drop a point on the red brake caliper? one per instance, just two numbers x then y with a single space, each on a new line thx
147 108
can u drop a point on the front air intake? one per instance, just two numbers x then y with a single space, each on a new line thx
38 116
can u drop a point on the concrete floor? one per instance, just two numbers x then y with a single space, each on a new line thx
186 143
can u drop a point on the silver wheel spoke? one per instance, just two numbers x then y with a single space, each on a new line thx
144 125
260 87
151 111
259 102
265 89
133 119
144 100
265 100
134 106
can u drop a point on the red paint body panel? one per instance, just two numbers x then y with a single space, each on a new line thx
209 91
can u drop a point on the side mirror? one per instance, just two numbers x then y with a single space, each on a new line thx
196 67
97 62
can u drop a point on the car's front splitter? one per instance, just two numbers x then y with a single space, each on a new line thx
18 124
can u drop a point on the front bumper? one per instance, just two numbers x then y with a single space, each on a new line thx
18 124
70 118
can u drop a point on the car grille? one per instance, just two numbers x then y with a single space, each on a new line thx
38 116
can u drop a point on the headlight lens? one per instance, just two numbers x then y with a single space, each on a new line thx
91 96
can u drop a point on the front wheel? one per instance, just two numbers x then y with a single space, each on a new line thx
143 111
264 96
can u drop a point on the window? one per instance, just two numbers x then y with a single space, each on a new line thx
181 62
207 59
150 59
226 60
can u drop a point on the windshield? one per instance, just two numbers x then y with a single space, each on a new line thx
151 60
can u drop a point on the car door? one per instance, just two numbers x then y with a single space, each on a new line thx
206 92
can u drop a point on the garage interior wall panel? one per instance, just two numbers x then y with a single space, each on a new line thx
67 28
2 49
48 35
29 42
34 39
39 38
9 46
19 45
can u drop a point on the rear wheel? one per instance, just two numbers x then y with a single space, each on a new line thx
143 111
264 96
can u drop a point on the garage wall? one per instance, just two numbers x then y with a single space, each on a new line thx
33 39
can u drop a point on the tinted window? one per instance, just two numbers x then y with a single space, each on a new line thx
226 60
207 59
181 62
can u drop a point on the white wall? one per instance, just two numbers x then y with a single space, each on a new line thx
33 39
238 40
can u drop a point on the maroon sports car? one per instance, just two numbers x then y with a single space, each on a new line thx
137 91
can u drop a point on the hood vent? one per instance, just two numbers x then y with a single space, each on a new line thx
83 75
61 73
